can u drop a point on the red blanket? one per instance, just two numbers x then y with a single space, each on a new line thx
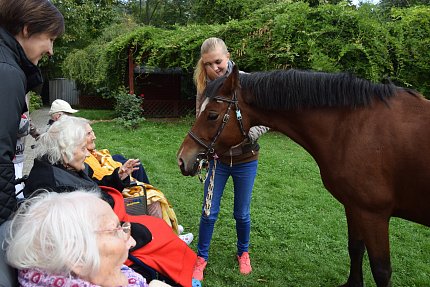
166 253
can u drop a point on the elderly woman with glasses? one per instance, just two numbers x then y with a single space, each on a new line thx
70 239
59 167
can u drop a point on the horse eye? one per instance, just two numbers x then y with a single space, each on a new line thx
212 116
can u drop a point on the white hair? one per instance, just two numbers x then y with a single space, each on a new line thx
55 232
62 139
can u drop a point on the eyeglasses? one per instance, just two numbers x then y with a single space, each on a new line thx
123 231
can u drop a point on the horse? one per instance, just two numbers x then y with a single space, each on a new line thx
368 139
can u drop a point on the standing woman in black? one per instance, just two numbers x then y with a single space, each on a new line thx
28 29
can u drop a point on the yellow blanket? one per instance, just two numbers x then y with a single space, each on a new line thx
102 163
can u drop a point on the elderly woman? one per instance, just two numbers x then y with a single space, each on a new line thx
60 155
40 246
59 167
105 170
60 161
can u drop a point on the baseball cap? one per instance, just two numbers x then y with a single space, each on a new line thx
61 106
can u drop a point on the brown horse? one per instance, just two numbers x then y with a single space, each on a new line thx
369 140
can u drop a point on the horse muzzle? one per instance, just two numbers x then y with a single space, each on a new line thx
188 169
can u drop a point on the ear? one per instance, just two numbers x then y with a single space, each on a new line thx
65 159
232 82
25 31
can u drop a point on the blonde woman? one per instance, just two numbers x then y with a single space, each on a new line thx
239 162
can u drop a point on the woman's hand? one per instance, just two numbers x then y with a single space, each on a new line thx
128 167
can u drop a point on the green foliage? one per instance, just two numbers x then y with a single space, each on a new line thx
96 115
128 109
90 66
387 4
35 101
411 29
365 41
159 13
223 11
84 22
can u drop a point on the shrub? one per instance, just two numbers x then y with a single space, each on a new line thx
35 101
128 109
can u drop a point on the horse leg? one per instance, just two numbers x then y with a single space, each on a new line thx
376 238
356 250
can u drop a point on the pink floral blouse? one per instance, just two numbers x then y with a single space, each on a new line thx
39 278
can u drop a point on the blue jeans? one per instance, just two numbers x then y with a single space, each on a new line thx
243 175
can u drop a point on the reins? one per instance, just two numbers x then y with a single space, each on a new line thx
203 158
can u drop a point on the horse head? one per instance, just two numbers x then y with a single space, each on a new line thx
218 127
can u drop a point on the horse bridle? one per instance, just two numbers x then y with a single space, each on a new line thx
210 151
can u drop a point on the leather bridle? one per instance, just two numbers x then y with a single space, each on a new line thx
210 151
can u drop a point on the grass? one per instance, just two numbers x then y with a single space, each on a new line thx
96 114
299 232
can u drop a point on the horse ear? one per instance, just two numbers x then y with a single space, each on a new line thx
232 82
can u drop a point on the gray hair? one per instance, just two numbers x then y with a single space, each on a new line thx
62 139
55 232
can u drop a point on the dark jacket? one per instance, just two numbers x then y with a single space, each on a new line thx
111 180
17 76
56 178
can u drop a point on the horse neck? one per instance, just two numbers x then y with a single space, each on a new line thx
309 128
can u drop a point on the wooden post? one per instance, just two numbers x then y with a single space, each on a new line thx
130 72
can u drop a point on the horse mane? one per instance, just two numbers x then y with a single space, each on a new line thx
295 89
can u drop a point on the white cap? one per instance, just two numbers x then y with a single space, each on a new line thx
61 106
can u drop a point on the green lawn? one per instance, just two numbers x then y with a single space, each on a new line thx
96 114
298 235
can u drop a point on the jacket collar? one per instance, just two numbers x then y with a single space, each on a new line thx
31 71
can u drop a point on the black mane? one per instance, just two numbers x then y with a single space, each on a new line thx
294 89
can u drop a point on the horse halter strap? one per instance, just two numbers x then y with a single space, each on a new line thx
210 147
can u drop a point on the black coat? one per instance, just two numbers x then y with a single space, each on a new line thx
56 178
17 76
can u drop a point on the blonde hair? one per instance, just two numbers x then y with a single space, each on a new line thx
208 45
55 232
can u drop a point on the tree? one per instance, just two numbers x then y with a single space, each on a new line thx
84 21
402 3
222 11
159 13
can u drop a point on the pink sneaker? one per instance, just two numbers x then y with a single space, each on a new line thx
199 267
244 263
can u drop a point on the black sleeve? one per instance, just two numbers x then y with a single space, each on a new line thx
7 191
141 234
112 180
12 99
